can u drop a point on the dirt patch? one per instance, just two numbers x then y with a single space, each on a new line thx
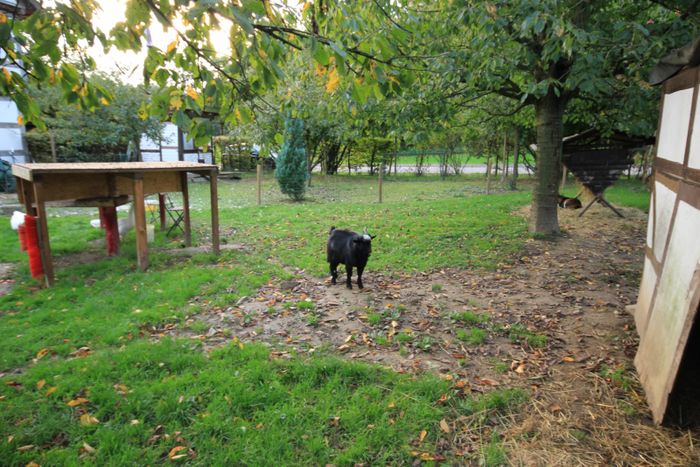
6 280
552 320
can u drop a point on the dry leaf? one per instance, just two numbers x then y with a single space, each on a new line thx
77 401
444 426
173 452
569 359
26 447
32 464
89 449
42 353
87 420
51 390
40 384
422 436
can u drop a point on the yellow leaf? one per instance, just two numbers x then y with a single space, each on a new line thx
569 359
87 448
333 81
40 384
42 353
422 436
306 6
20 121
444 426
51 390
8 75
86 419
3 18
173 452
104 101
191 92
77 401
172 46
175 103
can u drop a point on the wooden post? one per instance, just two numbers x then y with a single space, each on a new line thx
52 142
258 181
564 170
161 211
186 208
43 231
381 177
214 204
488 175
505 158
140 221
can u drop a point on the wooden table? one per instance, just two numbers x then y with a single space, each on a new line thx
94 184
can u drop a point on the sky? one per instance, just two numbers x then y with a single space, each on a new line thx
112 12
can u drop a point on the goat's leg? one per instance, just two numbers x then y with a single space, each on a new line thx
348 283
334 272
359 276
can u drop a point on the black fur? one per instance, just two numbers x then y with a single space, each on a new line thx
352 250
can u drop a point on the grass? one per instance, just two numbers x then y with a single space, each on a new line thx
472 336
519 333
99 335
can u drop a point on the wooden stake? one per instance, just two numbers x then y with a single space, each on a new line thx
258 182
381 177
214 212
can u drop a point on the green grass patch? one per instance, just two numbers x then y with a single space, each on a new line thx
469 317
472 336
238 406
519 333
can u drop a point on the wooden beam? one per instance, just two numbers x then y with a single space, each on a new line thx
43 231
186 208
214 212
161 210
140 220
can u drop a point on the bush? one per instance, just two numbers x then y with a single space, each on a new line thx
291 171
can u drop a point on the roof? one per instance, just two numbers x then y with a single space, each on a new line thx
683 57
19 8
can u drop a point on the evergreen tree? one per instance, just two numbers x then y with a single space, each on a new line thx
291 171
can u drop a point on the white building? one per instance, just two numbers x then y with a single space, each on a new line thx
13 146
173 146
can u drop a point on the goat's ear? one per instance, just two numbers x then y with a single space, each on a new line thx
372 236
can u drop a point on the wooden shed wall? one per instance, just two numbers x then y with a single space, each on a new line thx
670 286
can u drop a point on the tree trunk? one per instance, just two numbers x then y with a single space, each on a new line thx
549 112
516 157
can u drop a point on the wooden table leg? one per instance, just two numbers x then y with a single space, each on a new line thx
27 196
161 210
43 231
186 208
214 212
140 220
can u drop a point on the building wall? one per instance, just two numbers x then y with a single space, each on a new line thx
167 150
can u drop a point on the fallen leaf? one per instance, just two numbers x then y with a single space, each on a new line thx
173 452
87 448
51 390
86 420
444 426
121 389
42 353
422 436
134 422
391 405
40 384
26 447
569 359
77 401
32 464
10 439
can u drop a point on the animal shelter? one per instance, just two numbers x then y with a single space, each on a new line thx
667 305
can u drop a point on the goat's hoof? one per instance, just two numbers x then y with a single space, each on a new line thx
349 286
333 281
360 286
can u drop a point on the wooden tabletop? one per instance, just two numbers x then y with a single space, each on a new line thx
27 171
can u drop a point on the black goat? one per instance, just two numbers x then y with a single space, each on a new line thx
352 250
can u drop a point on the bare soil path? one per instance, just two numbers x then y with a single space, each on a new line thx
551 320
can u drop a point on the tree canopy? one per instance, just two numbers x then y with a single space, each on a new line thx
403 69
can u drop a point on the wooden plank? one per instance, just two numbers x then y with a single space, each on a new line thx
43 231
66 186
25 187
28 170
140 220
161 210
684 80
186 209
214 212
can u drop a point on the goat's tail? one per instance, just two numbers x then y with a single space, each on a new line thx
332 229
